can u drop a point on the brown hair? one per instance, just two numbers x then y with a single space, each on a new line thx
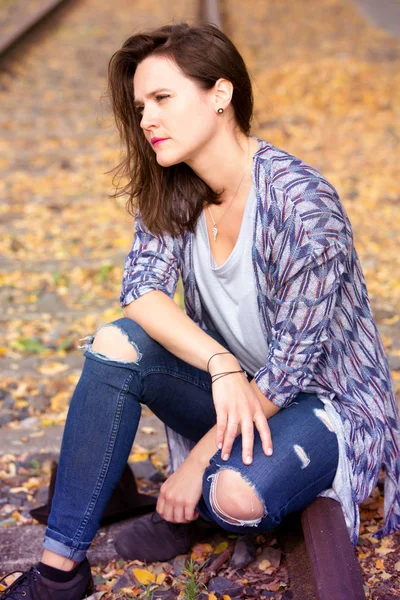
170 199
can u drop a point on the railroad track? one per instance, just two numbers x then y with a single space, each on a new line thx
321 561
17 32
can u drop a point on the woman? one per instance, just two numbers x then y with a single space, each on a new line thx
275 379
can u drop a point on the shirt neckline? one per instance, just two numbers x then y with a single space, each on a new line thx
227 263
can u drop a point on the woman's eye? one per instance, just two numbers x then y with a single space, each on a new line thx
140 109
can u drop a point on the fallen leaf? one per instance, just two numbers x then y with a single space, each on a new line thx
148 430
52 368
143 576
221 547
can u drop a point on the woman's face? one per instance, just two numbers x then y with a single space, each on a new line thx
175 109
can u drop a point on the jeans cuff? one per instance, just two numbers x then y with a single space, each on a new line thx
75 554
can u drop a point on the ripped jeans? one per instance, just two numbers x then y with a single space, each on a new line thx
103 418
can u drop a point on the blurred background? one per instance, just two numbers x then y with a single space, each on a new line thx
326 77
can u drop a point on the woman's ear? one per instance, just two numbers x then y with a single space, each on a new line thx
223 91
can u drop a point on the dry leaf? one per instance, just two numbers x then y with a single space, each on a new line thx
52 368
143 576
221 547
148 430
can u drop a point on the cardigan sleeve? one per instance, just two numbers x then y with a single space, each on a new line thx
305 276
150 265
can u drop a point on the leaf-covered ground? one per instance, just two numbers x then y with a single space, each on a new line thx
326 85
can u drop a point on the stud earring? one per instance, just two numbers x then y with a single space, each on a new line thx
220 111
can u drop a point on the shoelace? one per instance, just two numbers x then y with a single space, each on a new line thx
27 580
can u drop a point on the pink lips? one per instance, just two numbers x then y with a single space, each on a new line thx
156 141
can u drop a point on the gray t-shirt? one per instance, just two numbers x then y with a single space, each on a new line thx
228 292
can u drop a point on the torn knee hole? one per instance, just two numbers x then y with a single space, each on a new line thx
234 499
114 344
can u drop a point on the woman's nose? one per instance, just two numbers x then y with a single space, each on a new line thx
148 119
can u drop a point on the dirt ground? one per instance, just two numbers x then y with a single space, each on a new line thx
326 83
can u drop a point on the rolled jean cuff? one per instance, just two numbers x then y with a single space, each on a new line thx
64 547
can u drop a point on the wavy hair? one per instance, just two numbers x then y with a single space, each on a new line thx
170 199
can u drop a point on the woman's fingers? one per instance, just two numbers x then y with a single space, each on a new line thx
221 428
247 441
190 514
261 423
230 435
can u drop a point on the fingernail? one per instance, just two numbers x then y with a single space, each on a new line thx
248 460
225 457
219 446
269 451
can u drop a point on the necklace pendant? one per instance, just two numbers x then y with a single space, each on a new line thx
215 232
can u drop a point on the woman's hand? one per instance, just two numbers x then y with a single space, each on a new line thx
238 409
180 493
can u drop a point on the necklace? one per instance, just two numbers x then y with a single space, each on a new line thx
215 228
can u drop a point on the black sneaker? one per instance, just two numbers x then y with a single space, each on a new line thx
152 539
31 585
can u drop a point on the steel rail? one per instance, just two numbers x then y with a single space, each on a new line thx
17 34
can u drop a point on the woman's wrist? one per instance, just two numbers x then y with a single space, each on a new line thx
198 460
220 363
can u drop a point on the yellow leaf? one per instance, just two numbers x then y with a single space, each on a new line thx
200 550
379 564
160 578
47 422
143 576
3 351
138 457
21 403
59 401
226 597
212 596
33 482
221 547
148 430
52 368
264 564
384 551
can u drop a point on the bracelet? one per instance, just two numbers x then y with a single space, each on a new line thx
216 354
219 375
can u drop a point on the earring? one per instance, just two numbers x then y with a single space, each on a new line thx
220 111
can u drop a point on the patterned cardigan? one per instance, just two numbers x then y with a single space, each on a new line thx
316 318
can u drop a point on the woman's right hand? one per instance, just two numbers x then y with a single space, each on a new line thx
238 410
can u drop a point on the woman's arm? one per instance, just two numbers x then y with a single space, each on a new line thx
166 323
236 401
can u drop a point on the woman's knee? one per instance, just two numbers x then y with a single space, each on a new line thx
118 341
234 499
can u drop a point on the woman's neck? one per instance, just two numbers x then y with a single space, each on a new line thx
224 161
